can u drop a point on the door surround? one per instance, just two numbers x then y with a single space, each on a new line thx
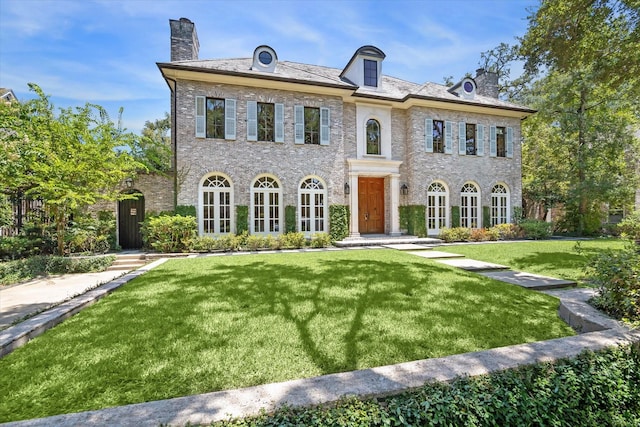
375 168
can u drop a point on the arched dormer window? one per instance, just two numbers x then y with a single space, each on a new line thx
373 137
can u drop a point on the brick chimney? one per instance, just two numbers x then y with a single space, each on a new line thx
487 83
184 40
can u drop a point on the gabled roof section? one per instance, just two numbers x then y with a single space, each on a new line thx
368 51
7 95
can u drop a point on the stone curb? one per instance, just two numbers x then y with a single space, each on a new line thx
18 335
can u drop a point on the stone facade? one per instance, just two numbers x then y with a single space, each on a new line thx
399 107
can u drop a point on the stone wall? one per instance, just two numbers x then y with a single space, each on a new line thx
156 189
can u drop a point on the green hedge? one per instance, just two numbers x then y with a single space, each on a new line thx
40 265
592 389
413 219
486 216
242 219
169 233
338 222
289 219
185 210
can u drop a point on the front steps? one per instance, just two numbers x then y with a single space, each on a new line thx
384 240
128 261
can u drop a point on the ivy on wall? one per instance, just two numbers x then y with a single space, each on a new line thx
455 216
289 219
338 222
185 210
413 219
242 219
486 216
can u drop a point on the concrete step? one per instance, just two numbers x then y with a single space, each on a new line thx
382 240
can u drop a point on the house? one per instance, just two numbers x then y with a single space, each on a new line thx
7 95
268 134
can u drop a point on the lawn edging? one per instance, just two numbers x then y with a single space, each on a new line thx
373 382
18 335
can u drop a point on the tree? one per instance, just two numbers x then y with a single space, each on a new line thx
153 149
498 60
69 160
587 51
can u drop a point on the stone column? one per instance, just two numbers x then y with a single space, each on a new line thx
394 185
354 228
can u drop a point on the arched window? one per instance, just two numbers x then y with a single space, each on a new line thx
499 204
373 137
470 206
312 206
266 196
216 202
437 208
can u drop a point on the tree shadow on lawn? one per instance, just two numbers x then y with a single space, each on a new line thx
214 325
554 261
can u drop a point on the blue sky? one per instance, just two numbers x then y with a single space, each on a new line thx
105 52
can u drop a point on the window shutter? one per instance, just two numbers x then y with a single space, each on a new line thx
200 117
480 140
279 125
509 142
229 119
252 120
493 150
448 137
324 126
428 135
298 116
462 139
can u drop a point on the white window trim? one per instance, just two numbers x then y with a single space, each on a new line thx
324 192
252 206
201 190
436 231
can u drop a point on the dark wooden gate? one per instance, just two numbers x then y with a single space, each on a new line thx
130 215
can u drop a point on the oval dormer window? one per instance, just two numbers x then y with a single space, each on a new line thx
468 87
264 59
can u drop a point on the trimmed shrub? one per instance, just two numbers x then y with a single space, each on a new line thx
40 265
242 219
289 219
320 240
413 219
169 233
535 229
486 216
483 235
456 234
185 210
292 240
617 276
507 231
629 227
338 222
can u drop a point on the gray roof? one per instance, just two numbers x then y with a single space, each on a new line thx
392 88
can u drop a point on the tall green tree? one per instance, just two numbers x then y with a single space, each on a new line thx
586 53
153 148
69 160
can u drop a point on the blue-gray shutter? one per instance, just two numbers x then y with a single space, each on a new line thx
493 150
298 117
201 131
229 119
509 142
279 123
480 140
324 126
462 138
448 137
252 120
428 135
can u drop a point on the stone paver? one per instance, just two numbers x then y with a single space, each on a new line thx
528 280
471 264
433 254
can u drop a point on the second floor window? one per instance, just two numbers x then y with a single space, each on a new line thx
501 146
470 139
438 136
370 73
215 118
311 125
373 137
266 121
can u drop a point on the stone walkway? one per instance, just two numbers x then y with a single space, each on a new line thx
598 330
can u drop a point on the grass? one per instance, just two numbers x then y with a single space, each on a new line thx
198 325
563 259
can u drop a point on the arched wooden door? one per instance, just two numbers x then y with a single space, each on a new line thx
130 217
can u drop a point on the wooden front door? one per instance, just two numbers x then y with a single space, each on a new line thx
130 215
371 205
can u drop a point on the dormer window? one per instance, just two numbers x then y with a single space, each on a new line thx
264 59
370 73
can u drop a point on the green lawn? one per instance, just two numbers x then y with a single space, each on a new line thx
555 258
204 324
